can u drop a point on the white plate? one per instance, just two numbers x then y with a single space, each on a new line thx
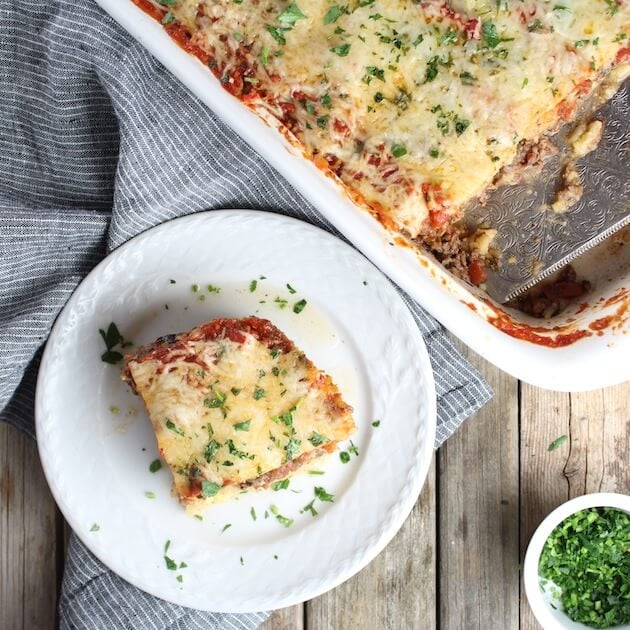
355 326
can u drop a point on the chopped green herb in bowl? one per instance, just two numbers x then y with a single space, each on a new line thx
577 566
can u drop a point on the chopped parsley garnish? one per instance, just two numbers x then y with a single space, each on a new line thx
432 69
95 527
344 457
236 391
332 15
180 578
242 561
149 495
298 307
112 338
211 450
209 488
557 442
226 526
373 73
168 18
322 495
275 352
212 289
491 35
342 50
292 448
291 289
316 472
317 439
259 393
291 14
277 33
467 78
234 451
398 150
216 401
171 565
281 302
448 37
309 507
283 484
376 423
283 520
252 285
242 426
353 449
253 514
461 125
155 465
588 558
173 427
612 6
194 288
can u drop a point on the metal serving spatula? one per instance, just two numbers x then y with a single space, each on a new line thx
533 240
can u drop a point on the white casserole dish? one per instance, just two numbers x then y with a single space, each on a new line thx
593 361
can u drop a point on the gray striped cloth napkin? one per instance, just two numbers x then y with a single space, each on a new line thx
98 143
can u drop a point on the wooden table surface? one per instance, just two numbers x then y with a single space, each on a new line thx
455 562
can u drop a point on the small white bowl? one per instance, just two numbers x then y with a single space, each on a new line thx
539 600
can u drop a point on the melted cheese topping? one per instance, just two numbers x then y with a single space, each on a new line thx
226 413
415 106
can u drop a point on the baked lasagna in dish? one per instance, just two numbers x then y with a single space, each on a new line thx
235 406
417 107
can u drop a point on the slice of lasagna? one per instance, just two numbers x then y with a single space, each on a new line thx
235 405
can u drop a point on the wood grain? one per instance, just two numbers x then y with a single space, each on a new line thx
397 589
478 513
28 572
594 458
291 618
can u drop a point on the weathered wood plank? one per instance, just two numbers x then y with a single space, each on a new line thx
28 572
593 459
397 589
478 513
291 618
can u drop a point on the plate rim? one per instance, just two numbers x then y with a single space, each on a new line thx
405 505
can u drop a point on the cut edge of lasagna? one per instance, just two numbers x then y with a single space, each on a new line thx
235 406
